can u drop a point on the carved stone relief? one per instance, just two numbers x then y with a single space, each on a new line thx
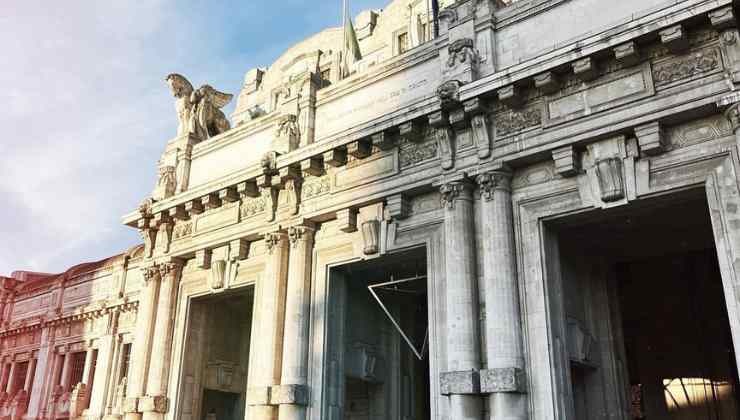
512 122
699 131
687 66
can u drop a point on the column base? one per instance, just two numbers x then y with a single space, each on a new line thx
153 404
460 383
289 394
502 380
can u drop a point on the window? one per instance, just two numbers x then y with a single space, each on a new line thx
125 360
325 78
403 42
78 367
20 377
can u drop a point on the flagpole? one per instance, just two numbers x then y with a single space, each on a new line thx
344 42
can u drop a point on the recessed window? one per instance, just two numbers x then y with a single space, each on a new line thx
403 42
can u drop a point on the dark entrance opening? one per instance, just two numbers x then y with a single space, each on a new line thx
218 405
378 339
642 314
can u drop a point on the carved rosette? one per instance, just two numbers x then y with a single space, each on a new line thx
453 191
491 181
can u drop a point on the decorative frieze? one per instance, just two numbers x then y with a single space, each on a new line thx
182 230
686 66
411 154
508 123
315 187
252 206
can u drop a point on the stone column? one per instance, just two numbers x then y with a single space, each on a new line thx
11 374
29 375
53 381
88 365
502 379
66 371
461 381
115 371
142 343
42 379
4 377
293 392
267 323
155 405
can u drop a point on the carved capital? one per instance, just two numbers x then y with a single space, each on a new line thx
489 182
454 191
150 273
274 240
299 233
168 271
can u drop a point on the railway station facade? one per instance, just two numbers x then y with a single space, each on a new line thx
524 210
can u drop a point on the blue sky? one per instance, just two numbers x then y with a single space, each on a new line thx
87 113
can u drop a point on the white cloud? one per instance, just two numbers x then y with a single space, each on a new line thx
86 116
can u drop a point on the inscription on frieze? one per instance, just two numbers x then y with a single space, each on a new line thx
386 95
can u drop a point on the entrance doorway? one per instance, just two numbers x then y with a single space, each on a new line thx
378 339
642 315
216 357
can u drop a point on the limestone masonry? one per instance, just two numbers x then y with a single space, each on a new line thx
520 210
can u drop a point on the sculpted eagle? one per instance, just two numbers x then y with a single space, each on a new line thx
198 111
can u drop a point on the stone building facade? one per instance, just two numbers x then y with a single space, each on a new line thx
533 215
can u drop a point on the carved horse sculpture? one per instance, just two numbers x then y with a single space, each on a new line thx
198 111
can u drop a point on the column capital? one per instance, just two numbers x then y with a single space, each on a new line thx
150 273
490 181
453 191
274 240
300 233
731 105
170 268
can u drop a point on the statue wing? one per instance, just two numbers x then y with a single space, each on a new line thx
221 99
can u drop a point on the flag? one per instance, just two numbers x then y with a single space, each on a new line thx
351 49
435 17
